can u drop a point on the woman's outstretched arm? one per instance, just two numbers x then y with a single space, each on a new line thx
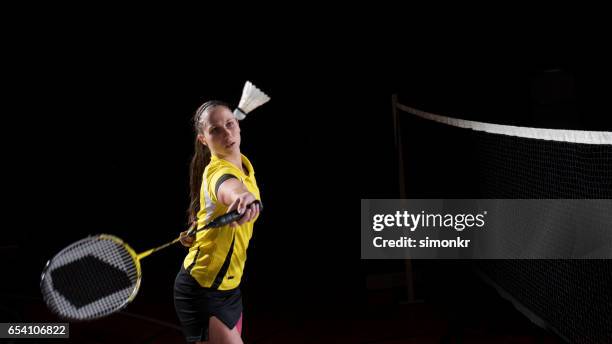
235 195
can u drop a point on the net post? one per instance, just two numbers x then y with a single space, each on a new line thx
402 193
398 147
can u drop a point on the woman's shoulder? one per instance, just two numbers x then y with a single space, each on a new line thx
219 165
249 166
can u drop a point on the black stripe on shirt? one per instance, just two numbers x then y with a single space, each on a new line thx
221 180
225 266
195 258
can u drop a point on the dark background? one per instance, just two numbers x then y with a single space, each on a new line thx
98 139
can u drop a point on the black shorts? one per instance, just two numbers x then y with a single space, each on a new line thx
195 305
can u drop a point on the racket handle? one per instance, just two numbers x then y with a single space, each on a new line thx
192 229
221 220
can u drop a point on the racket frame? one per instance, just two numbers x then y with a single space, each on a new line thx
115 239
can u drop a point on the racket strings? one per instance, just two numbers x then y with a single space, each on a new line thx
89 279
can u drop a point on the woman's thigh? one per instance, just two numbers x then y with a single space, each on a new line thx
219 333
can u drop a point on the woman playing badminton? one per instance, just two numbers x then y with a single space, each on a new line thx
206 292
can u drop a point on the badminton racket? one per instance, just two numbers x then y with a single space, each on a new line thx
100 275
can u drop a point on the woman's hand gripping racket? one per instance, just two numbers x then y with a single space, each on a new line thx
100 274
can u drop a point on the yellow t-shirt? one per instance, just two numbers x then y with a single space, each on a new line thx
216 258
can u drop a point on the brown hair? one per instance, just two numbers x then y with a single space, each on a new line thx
200 159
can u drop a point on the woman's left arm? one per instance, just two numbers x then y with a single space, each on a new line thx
235 195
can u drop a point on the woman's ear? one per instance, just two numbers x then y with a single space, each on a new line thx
202 139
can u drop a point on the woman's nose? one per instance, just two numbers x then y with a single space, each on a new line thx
226 133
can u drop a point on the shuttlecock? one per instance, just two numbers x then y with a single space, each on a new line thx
252 98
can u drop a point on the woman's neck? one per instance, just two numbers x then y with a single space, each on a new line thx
235 158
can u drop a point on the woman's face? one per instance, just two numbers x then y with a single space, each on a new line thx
221 132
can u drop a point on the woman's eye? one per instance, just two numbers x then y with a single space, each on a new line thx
230 124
